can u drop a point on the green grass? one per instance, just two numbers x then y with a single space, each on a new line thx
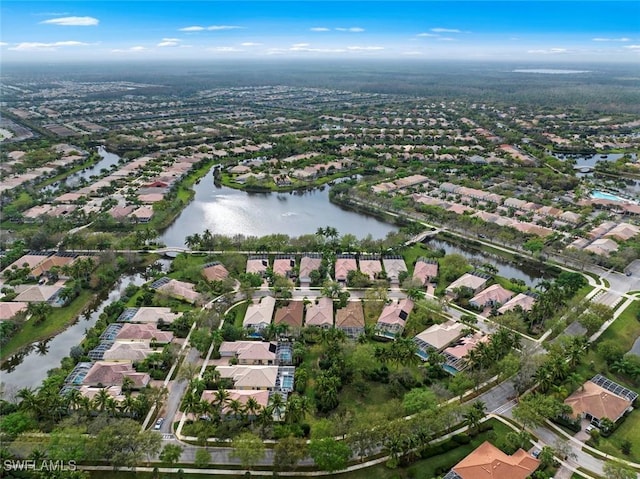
57 321
626 431
414 252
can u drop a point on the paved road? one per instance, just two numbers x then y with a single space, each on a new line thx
176 392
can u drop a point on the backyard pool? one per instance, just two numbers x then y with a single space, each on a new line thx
602 195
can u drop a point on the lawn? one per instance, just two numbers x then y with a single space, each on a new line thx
411 254
57 321
627 431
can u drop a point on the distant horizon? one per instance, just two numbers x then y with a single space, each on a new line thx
599 31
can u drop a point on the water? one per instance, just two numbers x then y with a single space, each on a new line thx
602 195
29 367
530 276
227 211
71 181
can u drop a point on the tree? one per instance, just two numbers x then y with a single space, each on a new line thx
419 399
617 470
171 454
288 452
474 415
122 443
248 448
328 454
68 443
546 457
203 458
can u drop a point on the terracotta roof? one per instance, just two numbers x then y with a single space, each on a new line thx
146 331
257 265
242 395
290 314
489 462
50 262
597 401
351 316
396 313
307 265
181 290
111 373
320 313
494 294
215 271
343 266
370 266
9 309
425 270
283 266
523 300
248 350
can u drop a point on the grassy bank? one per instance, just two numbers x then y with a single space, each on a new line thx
57 321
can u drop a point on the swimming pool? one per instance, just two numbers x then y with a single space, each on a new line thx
602 195
287 383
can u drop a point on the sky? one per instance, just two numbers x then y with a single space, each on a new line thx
547 31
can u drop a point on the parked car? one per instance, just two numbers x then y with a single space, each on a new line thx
535 453
159 423
590 428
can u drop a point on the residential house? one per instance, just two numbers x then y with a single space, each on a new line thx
144 332
283 265
258 316
344 264
148 314
457 352
112 373
489 462
261 397
250 352
320 313
35 293
601 398
623 232
9 309
250 377
351 319
425 270
393 319
370 266
394 266
142 214
215 271
291 315
180 290
474 281
133 351
310 262
522 300
492 296
257 264
438 337
602 247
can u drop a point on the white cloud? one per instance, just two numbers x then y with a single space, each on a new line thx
137 49
431 35
169 42
193 28
300 45
320 29
35 46
364 49
633 47
350 29
445 30
224 49
446 39
3 44
600 39
305 47
550 51
250 44
73 21
223 27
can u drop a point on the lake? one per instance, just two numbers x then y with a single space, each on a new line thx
227 211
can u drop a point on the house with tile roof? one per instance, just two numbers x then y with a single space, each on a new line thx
240 395
249 352
320 313
8 309
112 373
257 264
489 462
215 271
133 351
290 314
522 300
474 281
370 266
425 270
393 319
250 377
601 398
144 332
258 315
308 263
344 264
283 265
350 319
494 295
393 267
437 337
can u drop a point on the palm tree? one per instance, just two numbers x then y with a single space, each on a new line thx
252 407
276 405
101 399
474 415
29 401
236 408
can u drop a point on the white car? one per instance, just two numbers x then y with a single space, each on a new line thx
159 423
590 428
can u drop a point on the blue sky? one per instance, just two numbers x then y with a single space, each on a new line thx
446 29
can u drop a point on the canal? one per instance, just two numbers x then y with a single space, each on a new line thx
107 161
29 367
